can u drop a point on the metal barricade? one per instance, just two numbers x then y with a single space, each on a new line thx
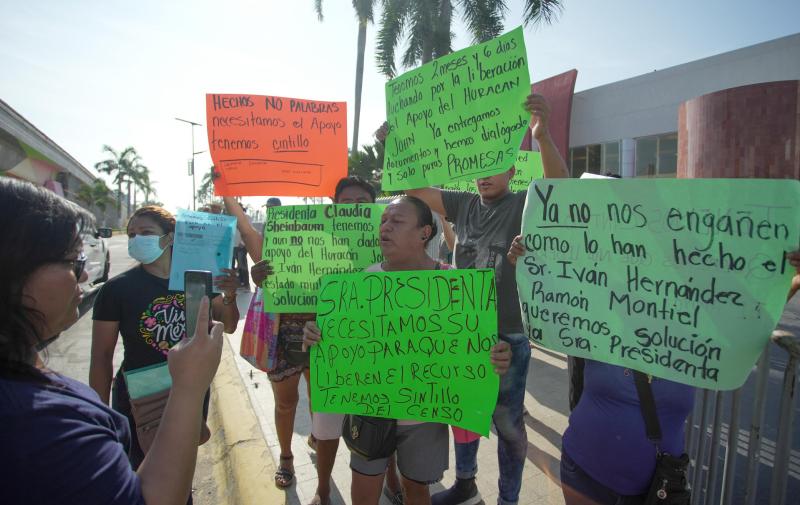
715 439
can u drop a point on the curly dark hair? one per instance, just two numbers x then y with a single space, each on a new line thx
39 227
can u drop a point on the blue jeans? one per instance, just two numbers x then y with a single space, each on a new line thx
512 439
581 489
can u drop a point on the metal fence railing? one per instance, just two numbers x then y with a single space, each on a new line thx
740 442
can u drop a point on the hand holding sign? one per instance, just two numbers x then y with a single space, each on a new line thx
681 279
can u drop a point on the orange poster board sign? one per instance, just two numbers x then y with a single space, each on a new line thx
271 145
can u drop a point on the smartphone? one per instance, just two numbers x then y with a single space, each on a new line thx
196 285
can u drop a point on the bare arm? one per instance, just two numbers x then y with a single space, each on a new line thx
227 313
449 235
101 367
251 237
167 470
553 163
431 196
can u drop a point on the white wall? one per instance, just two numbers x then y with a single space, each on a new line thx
648 104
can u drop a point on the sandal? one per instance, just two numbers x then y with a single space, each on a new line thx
284 477
394 498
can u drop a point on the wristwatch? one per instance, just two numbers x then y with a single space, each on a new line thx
228 301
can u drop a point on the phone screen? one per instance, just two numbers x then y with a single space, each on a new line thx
197 284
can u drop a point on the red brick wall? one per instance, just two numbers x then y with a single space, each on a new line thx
558 91
749 131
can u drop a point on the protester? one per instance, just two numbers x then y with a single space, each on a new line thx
283 375
407 225
61 443
139 305
606 457
485 225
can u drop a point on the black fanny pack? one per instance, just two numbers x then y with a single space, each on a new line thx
370 437
670 485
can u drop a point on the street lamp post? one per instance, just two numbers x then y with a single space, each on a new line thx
191 167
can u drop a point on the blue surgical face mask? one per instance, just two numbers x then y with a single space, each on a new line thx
145 248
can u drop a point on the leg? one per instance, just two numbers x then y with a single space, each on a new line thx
327 428
286 398
393 485
512 443
416 493
464 491
326 457
422 457
366 489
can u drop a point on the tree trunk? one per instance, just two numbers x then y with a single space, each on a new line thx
129 198
119 197
362 44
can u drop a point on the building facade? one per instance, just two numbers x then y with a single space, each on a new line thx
630 127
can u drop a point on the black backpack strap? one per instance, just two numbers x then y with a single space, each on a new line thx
647 404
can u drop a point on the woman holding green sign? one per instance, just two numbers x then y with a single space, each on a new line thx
407 226
283 369
609 455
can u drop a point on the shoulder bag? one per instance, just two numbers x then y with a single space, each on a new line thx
669 485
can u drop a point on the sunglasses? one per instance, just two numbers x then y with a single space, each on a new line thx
78 265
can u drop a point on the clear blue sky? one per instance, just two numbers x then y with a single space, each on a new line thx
92 72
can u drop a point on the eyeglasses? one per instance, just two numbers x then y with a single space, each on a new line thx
78 265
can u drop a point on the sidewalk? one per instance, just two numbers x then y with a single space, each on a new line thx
546 401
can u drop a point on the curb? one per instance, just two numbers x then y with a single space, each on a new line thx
243 466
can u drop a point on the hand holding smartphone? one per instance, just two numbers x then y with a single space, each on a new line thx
197 284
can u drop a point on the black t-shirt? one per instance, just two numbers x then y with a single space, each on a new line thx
151 317
483 237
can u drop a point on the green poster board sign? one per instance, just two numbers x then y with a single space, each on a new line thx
305 242
528 167
460 116
408 345
683 279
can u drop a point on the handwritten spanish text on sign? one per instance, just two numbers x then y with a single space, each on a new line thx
271 145
528 167
203 241
408 345
305 242
460 116
681 279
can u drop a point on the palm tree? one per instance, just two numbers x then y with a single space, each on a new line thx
427 25
206 191
367 163
125 168
363 10
142 182
96 196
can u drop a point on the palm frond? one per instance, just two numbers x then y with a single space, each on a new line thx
364 10
392 24
442 36
541 11
318 9
484 18
420 33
